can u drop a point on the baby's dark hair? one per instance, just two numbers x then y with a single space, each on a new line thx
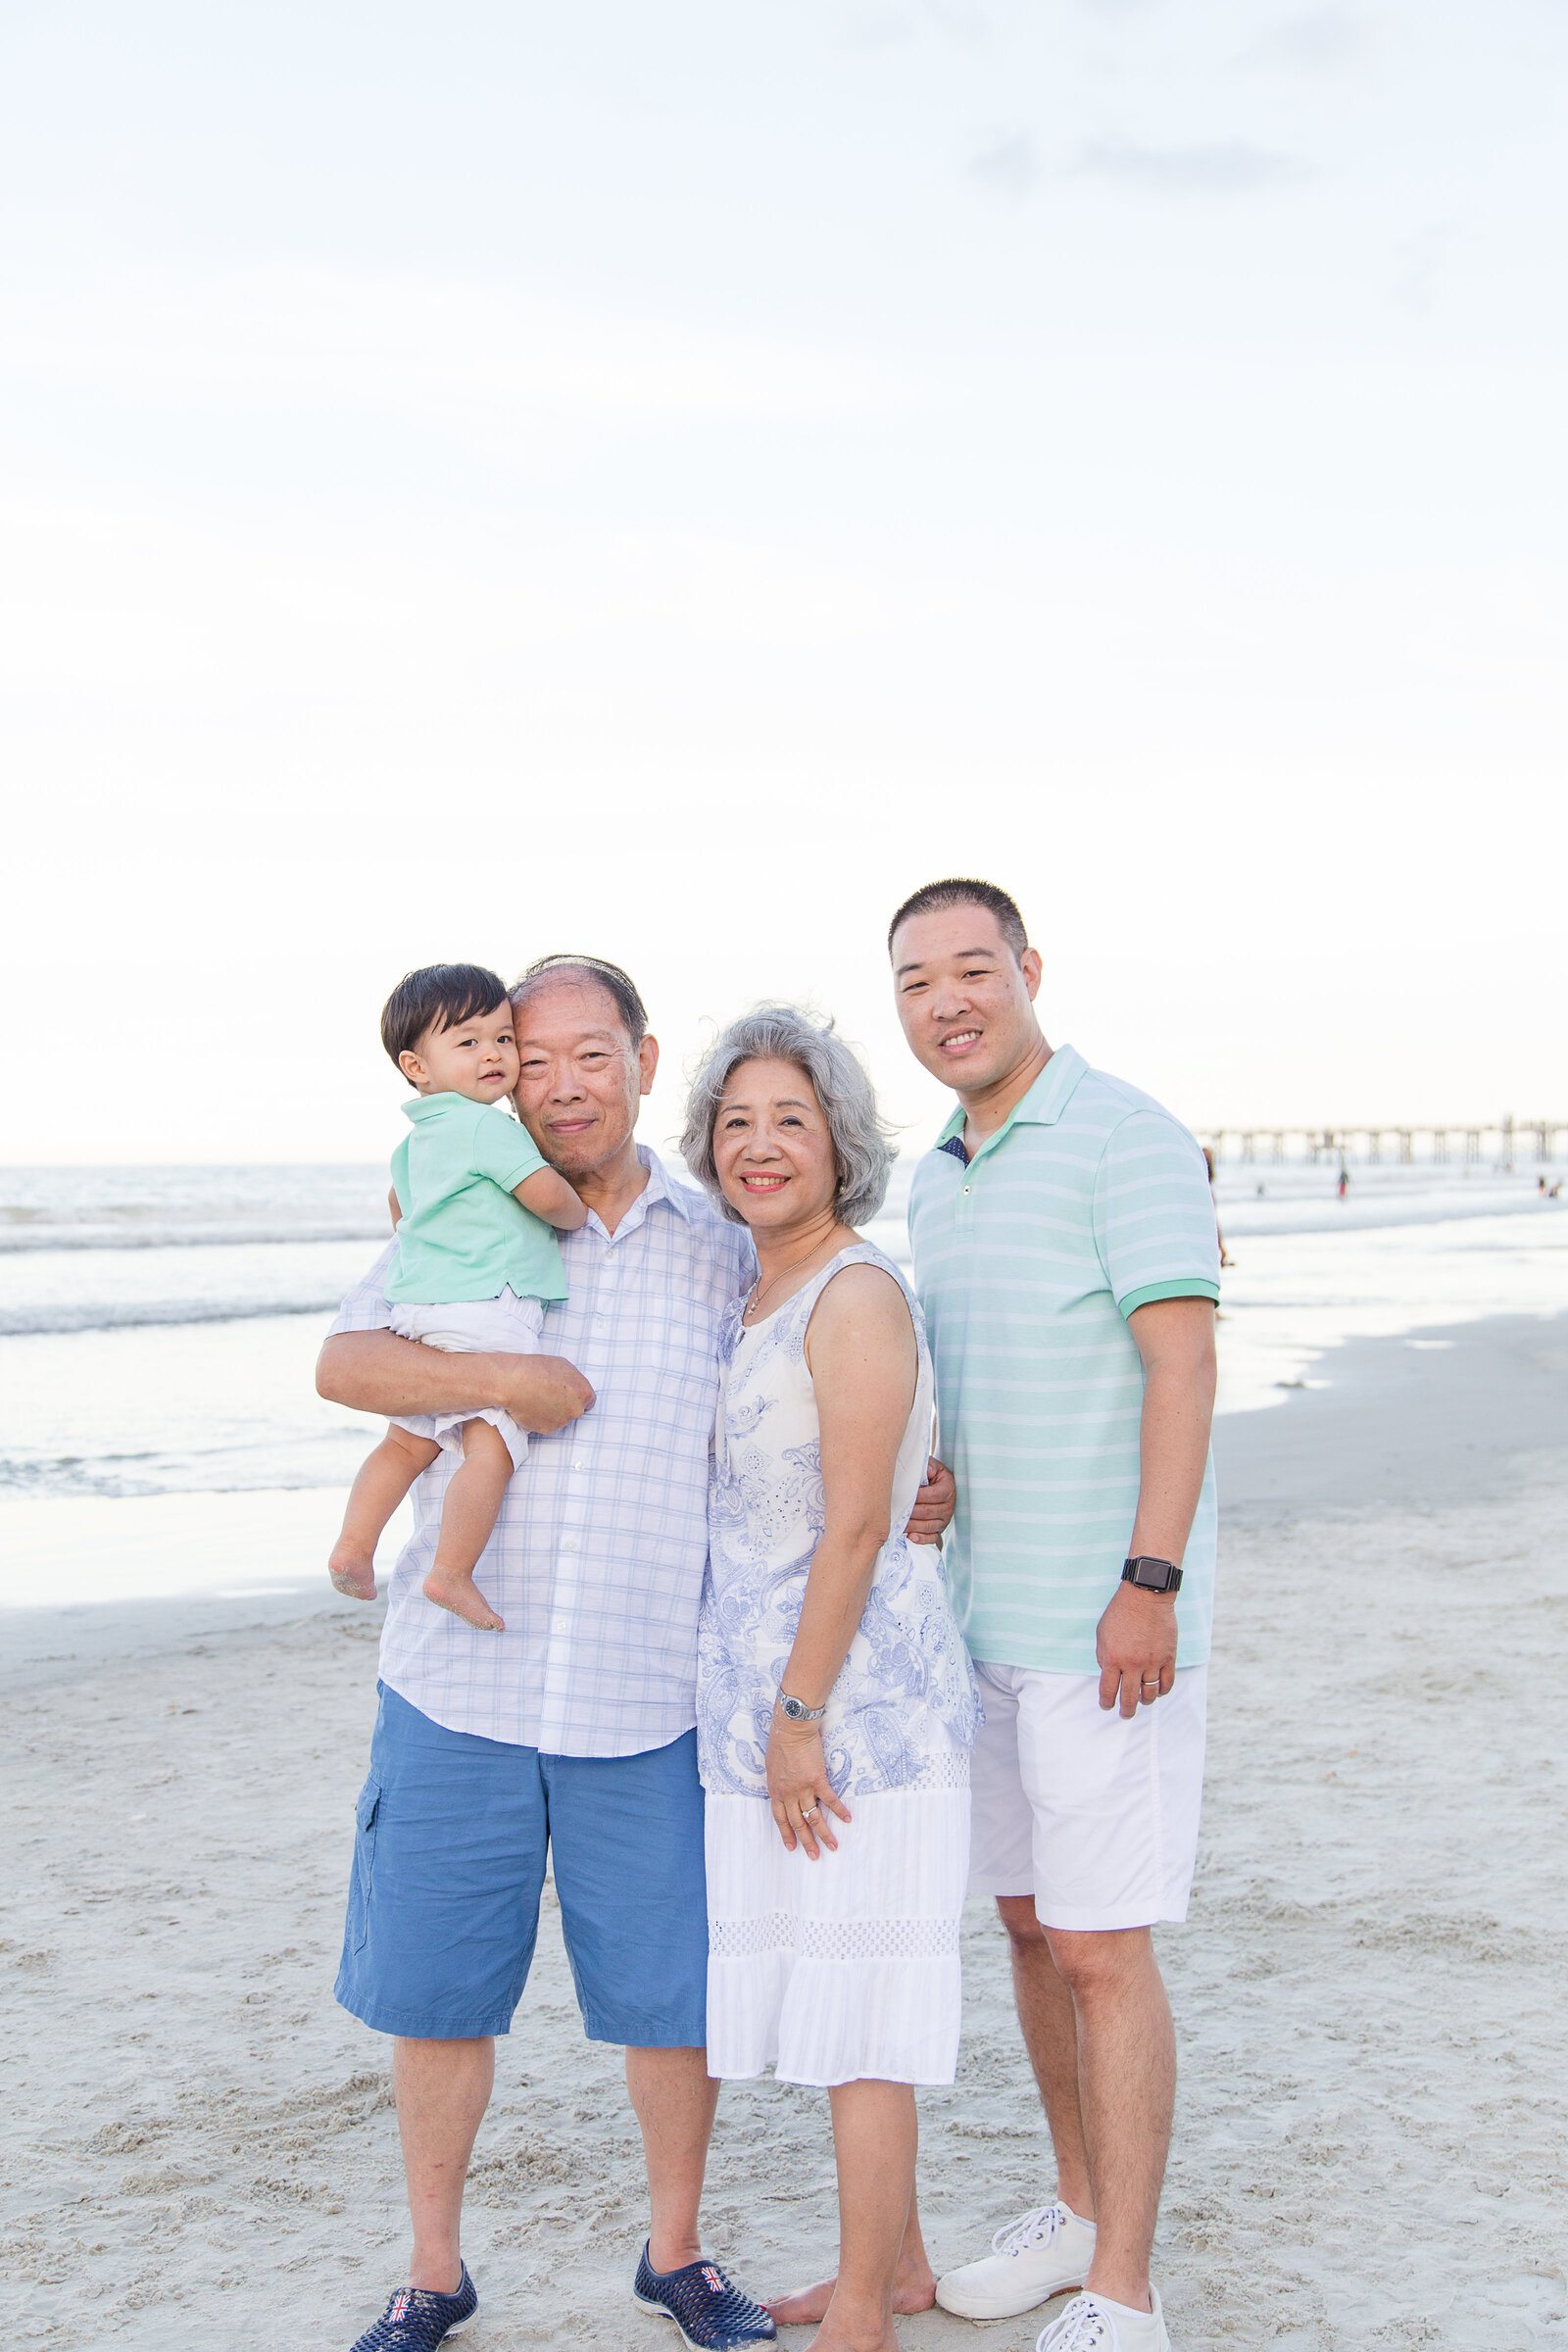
438 997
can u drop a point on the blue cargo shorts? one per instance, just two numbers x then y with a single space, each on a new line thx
451 1834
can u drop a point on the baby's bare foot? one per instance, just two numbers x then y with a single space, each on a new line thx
808 2305
451 1589
353 1572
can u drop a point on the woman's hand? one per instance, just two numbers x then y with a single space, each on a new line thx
798 1786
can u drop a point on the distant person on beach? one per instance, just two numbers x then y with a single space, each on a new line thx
836 1704
473 1266
572 1733
1066 1258
1225 1257
1344 1184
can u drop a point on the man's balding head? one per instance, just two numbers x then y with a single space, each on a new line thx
594 971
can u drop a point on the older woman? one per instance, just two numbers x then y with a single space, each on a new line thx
836 1705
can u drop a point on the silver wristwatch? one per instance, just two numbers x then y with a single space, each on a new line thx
798 1711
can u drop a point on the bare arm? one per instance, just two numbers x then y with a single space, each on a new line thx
1137 1639
551 1198
376 1372
861 1352
393 1209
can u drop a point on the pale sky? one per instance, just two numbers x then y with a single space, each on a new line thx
494 478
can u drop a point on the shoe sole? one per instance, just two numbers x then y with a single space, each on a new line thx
665 2313
1009 2311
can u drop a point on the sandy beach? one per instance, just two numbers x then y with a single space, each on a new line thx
1372 2136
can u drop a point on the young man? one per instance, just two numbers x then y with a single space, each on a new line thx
1066 1256
573 1730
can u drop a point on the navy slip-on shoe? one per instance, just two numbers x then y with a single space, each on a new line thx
416 2318
711 2314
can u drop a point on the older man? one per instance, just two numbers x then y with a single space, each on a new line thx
573 1730
1065 1255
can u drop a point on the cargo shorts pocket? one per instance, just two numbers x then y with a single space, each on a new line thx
366 1812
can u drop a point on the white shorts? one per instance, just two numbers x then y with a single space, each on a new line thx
504 1326
1095 1817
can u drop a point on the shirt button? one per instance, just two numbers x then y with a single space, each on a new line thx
602 1320
580 1465
966 1187
568 1542
560 1625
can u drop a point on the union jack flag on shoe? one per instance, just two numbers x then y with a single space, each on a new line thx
711 2314
416 2318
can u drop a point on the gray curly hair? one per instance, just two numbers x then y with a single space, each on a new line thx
863 1149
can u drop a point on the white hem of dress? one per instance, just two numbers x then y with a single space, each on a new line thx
843 1970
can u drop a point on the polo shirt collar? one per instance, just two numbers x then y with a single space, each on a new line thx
1042 1107
431 1106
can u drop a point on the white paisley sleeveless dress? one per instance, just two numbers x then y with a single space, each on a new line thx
846 1968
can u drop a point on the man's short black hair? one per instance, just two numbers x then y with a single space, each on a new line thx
437 997
608 976
936 896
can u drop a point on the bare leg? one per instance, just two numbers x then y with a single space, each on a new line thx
385 1476
443 2088
674 2098
874 2136
1126 2090
915 2283
469 1511
1049 2024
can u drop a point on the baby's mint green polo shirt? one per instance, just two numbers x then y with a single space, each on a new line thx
1088 1202
462 1235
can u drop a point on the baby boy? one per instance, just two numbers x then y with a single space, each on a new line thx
475 1263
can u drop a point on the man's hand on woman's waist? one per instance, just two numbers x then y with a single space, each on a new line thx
934 1505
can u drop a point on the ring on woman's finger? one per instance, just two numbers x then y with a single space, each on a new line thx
809 1811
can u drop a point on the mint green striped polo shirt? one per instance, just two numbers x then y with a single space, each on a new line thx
1088 1202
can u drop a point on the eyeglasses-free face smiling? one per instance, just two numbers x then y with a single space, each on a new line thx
964 998
477 1058
579 1076
771 1147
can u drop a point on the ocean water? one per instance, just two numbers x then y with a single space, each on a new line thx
158 1329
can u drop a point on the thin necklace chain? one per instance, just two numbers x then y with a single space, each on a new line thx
759 1288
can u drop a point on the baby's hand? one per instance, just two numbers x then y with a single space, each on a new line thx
548 1196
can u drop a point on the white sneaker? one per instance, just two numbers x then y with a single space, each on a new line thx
1031 2260
1094 2324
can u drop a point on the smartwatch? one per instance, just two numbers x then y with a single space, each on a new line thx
798 1711
1150 1575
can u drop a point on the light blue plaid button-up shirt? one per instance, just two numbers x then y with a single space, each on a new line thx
598 1556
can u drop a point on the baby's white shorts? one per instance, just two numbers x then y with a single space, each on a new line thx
504 1326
